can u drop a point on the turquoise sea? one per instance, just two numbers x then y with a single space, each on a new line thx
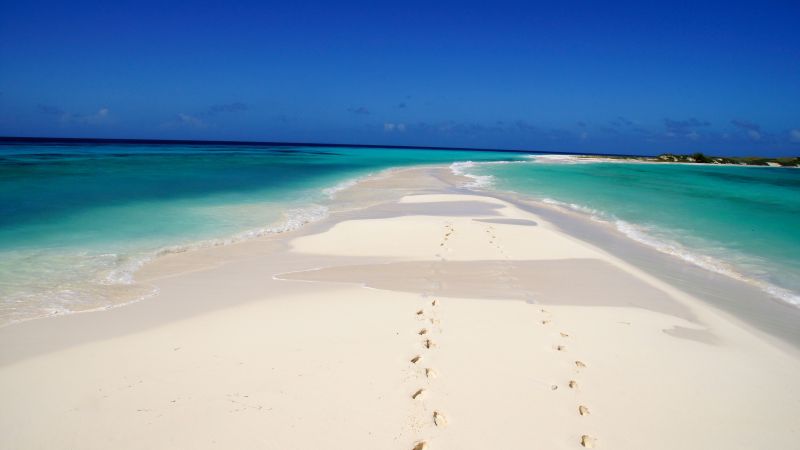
740 221
78 219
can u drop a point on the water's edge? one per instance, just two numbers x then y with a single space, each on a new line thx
633 231
296 218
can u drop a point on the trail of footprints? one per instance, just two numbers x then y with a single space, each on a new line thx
438 418
507 266
428 344
586 440
494 242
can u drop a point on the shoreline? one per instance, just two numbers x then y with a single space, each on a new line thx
744 302
482 184
671 246
770 162
778 322
384 326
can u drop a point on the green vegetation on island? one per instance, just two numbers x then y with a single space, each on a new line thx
747 161
700 158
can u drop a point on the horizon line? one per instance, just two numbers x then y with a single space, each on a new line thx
75 140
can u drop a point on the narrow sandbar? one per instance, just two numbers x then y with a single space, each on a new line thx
417 313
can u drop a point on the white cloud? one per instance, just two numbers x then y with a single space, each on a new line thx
100 117
183 120
191 121
752 130
390 127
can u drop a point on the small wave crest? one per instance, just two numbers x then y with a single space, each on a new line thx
332 191
293 220
649 237
478 182
107 280
578 159
344 185
97 282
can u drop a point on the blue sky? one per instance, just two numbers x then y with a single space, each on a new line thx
718 77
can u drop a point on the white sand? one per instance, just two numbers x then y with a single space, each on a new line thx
228 356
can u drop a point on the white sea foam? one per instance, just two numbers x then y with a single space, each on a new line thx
478 181
654 238
595 214
293 220
332 191
651 237
112 280
578 159
344 185
126 266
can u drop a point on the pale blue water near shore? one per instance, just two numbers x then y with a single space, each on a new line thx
740 221
77 220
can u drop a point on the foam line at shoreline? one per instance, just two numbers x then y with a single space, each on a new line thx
296 218
484 183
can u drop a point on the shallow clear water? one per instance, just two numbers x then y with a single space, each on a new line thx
77 220
741 221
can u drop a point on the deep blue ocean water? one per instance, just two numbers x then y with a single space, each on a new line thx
77 220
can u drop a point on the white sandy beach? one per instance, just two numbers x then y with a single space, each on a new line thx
431 318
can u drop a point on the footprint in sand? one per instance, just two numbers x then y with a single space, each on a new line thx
582 410
580 365
417 394
415 359
588 441
438 419
420 312
421 445
561 348
564 335
430 373
429 343
573 384
422 331
434 302
545 322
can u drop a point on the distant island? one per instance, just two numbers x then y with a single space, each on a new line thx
700 158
